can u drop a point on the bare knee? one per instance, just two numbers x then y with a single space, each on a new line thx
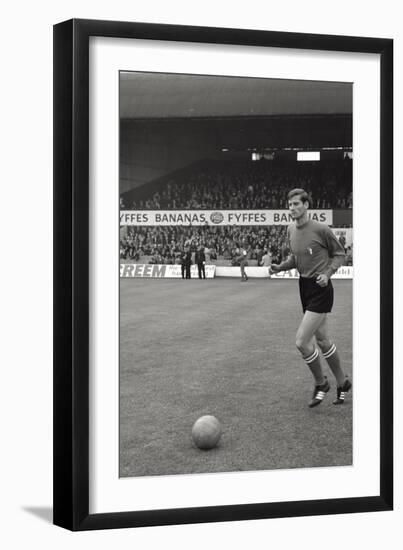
323 343
303 346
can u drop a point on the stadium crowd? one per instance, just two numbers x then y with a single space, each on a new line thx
225 185
165 244
251 185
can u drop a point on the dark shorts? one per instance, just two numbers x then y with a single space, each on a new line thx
314 297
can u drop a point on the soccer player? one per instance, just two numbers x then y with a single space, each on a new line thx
266 259
241 259
317 254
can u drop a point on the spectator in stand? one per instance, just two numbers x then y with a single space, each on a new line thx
213 254
156 259
249 185
285 250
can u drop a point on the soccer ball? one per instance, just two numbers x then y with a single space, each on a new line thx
206 432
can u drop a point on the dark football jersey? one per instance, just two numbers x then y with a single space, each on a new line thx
315 249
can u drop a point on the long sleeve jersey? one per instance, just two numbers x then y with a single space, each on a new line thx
314 250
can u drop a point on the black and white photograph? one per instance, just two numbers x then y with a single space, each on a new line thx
236 274
199 341
223 306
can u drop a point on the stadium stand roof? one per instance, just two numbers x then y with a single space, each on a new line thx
159 95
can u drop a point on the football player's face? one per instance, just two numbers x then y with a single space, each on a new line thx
296 207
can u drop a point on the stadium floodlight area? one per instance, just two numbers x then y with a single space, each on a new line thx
308 155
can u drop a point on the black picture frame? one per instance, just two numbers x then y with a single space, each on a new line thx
71 274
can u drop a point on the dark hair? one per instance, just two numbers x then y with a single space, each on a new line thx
303 195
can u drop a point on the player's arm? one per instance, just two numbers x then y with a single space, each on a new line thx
336 257
289 263
337 254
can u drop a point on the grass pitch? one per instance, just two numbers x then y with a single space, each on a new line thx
221 347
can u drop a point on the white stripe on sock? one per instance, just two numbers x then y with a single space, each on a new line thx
329 352
312 357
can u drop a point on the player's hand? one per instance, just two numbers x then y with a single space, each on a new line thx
274 268
322 280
